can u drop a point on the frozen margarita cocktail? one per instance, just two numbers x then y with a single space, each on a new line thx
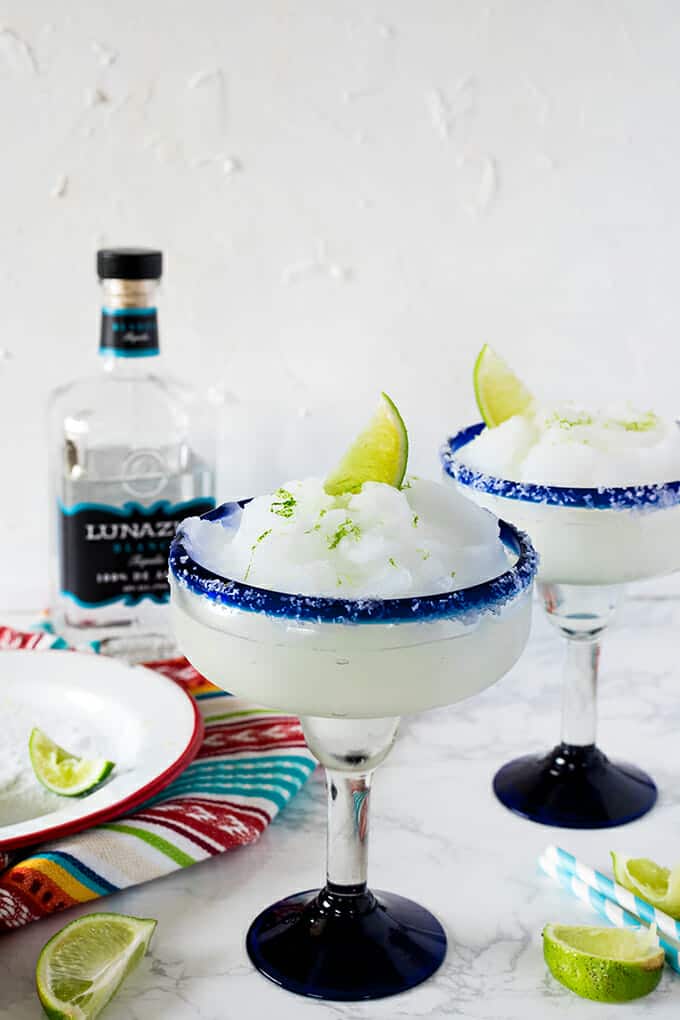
393 558
598 490
557 463
351 602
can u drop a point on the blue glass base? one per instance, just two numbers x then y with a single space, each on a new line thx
329 945
575 788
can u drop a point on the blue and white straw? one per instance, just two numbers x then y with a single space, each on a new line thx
613 891
610 911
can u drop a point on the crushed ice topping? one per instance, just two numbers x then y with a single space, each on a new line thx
568 445
379 543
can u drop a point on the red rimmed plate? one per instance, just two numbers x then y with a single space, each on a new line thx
96 707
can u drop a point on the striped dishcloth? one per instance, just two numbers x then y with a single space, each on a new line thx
252 761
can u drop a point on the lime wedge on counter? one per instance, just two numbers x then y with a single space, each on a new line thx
379 454
659 886
62 772
82 967
605 964
498 391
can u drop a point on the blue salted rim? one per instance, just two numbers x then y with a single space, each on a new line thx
629 497
464 604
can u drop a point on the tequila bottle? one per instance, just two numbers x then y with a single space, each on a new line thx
126 465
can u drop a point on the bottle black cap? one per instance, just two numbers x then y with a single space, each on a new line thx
129 264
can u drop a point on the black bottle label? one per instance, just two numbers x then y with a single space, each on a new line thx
119 554
129 332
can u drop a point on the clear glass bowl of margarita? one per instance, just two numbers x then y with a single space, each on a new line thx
599 496
585 535
350 667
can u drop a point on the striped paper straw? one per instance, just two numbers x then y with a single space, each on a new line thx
613 891
608 910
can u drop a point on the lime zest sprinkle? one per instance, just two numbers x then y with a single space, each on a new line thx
260 538
317 526
453 573
415 520
347 528
392 561
284 503
424 553
570 423
646 423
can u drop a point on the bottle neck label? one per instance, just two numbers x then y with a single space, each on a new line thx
129 332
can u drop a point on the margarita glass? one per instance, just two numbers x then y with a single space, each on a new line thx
349 668
591 541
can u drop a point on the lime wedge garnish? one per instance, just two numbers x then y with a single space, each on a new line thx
605 964
62 772
82 967
498 391
379 454
659 886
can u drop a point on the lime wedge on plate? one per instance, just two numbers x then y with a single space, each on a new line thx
82 967
498 391
605 964
63 772
659 886
379 454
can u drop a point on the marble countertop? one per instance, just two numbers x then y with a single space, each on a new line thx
439 836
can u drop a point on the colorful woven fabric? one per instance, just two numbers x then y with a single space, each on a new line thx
252 761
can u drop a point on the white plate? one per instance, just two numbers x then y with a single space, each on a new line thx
96 707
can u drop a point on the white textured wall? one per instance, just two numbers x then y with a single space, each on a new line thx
351 196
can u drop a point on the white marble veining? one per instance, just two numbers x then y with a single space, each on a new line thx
439 836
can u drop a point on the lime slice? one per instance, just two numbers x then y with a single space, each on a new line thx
82 967
379 454
498 391
605 964
63 772
659 886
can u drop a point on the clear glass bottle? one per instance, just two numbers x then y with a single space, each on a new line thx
128 461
